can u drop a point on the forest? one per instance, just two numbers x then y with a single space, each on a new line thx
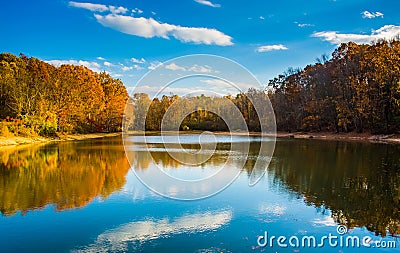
208 113
356 89
37 98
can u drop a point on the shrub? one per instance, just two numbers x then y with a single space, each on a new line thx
4 130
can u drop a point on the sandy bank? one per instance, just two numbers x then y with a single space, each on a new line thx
365 137
361 137
12 141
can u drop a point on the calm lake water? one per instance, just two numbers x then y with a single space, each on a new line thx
85 197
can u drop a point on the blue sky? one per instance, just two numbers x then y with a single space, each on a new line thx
127 38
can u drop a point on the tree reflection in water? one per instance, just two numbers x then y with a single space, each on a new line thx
67 175
358 182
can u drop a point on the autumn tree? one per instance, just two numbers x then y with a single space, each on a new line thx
38 98
115 98
357 89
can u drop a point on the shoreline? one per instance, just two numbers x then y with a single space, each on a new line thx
329 136
358 137
17 140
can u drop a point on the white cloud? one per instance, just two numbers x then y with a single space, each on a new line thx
99 7
262 17
367 14
218 84
303 24
90 65
160 90
386 32
195 68
201 69
149 28
271 48
140 61
90 6
208 3
139 11
100 58
137 67
215 82
118 10
107 64
154 65
174 67
126 68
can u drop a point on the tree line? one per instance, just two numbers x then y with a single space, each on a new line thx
37 98
358 89
228 113
355 90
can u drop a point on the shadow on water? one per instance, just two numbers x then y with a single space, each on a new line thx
66 175
358 182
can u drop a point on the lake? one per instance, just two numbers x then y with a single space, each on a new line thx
86 197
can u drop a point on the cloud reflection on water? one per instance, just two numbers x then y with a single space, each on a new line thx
138 232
